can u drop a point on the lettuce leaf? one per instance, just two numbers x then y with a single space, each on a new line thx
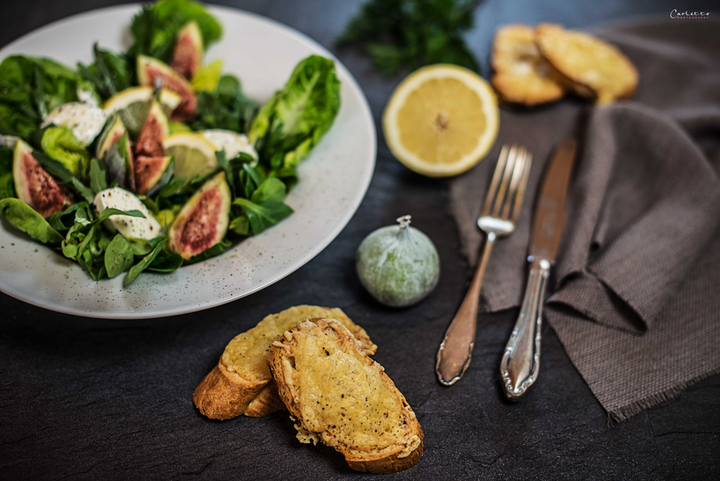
297 117
109 73
155 27
225 108
26 219
31 87
7 184
60 144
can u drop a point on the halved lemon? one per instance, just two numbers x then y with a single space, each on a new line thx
194 154
133 105
441 120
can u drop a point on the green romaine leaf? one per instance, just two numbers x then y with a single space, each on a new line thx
145 262
155 28
119 256
24 218
296 118
60 144
109 73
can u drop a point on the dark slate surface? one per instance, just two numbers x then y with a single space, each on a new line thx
98 399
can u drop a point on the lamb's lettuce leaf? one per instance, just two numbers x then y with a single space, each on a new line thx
296 118
265 208
118 257
26 219
158 243
226 107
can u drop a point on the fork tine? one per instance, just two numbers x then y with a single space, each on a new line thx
502 190
521 189
499 168
514 182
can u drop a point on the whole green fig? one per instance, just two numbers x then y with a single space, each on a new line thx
398 265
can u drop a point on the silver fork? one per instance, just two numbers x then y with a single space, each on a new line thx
497 219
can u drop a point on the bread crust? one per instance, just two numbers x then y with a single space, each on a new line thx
393 459
587 65
520 73
224 393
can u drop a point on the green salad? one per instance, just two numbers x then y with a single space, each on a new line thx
151 159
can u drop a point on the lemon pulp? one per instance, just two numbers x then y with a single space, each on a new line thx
441 120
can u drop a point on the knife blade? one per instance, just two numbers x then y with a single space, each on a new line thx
520 363
550 210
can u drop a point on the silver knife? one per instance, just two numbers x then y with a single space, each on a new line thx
521 360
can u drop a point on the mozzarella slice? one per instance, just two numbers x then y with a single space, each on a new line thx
85 121
231 142
130 227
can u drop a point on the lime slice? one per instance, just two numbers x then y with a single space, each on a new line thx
207 78
133 105
194 154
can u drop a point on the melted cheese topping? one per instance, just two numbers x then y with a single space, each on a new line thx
344 397
247 352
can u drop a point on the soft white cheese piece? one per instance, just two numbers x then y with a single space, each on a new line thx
130 227
231 142
8 141
87 96
85 121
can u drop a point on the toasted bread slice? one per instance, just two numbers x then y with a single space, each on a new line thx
592 68
521 74
343 398
241 382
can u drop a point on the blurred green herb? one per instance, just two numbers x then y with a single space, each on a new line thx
407 34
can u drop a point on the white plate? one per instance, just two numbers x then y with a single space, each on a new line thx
333 180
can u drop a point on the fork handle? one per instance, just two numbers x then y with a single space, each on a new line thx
521 360
453 357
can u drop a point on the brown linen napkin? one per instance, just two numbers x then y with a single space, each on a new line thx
635 293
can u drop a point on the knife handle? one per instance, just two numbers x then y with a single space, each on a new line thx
521 361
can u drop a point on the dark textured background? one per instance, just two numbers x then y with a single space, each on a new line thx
98 399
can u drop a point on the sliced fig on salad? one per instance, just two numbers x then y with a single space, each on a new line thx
153 133
34 185
203 220
150 69
114 129
188 53
152 173
118 162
